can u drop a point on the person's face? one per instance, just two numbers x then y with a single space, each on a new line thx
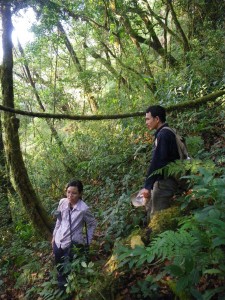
152 122
72 194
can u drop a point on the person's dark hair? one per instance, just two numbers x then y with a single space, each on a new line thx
157 111
75 183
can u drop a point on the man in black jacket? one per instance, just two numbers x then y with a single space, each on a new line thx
160 189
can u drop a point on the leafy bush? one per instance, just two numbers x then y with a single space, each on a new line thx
122 218
196 249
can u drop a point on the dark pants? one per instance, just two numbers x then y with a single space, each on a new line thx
61 261
161 196
64 256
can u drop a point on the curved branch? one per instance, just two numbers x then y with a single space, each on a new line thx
177 107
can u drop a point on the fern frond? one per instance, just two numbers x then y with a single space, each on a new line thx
175 169
173 245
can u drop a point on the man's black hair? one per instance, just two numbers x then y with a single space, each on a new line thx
75 183
157 111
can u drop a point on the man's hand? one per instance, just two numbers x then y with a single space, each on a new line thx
146 193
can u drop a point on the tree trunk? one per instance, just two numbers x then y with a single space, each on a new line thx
5 212
30 200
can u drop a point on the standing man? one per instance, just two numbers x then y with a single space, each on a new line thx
165 150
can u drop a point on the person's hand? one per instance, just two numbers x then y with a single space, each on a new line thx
146 193
52 242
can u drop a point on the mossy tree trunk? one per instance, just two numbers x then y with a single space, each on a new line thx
5 212
30 200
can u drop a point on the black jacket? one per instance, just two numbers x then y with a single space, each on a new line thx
164 151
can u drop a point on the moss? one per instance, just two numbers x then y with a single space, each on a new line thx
166 219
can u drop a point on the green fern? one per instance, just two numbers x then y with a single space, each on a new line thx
173 245
167 245
176 169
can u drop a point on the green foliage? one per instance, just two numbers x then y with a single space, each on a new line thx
47 290
169 244
146 288
111 157
195 249
27 271
208 188
23 258
206 59
80 283
194 144
122 218
25 231
85 279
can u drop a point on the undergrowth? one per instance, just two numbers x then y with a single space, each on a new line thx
194 251
183 252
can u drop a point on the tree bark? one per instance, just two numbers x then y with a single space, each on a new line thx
5 212
30 200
